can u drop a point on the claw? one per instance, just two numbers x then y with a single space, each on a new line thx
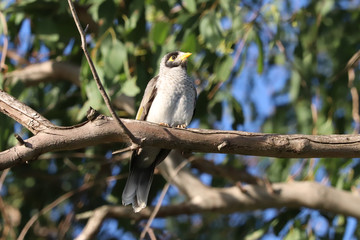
183 126
164 124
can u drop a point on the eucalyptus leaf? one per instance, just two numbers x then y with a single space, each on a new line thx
224 68
260 61
159 32
115 58
129 88
190 5
210 31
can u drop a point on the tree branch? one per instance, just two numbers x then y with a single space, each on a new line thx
23 114
59 200
52 70
103 129
134 141
161 198
202 198
228 200
45 71
3 68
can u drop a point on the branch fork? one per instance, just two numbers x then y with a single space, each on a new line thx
134 141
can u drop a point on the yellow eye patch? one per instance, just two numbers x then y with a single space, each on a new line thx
172 58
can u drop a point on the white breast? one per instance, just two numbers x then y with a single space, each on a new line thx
175 99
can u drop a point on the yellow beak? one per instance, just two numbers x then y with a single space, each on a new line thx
184 56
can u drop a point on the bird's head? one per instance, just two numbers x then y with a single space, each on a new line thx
174 60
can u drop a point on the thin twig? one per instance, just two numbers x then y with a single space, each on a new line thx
11 54
3 176
49 207
161 198
314 115
122 150
298 170
350 64
355 100
134 141
59 200
5 48
7 228
151 234
65 225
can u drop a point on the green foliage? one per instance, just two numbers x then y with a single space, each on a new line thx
126 40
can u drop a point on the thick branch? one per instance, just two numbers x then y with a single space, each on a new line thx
202 198
104 129
53 70
23 114
45 71
228 200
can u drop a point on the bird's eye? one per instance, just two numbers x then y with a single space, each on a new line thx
172 58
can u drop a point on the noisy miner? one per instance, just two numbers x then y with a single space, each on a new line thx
169 100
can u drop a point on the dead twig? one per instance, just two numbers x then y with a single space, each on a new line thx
6 42
49 207
7 228
134 141
161 198
355 100
59 200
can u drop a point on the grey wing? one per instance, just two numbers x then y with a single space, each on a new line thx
195 100
148 98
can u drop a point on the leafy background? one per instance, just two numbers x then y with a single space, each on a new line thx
261 66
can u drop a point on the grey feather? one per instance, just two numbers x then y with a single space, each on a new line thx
148 98
169 98
138 185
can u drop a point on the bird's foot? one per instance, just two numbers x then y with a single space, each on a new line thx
164 124
183 126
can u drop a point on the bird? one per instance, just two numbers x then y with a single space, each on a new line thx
169 100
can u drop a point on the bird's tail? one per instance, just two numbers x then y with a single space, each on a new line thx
138 184
137 187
